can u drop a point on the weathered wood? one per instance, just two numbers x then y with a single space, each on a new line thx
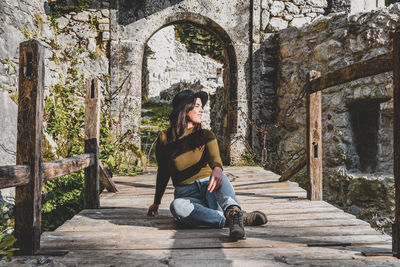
106 179
373 66
92 106
92 176
295 168
396 142
92 135
314 140
28 198
14 175
66 166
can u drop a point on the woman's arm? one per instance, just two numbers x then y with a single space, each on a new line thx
162 178
215 162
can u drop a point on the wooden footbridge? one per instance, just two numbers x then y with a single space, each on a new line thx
299 231
113 229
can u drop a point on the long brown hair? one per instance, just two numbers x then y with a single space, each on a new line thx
178 126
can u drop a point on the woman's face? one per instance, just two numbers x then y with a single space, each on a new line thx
196 113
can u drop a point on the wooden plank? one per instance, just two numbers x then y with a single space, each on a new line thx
28 198
295 168
396 142
58 168
106 180
14 175
373 66
92 135
314 140
205 257
251 231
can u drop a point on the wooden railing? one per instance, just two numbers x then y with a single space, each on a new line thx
30 171
315 84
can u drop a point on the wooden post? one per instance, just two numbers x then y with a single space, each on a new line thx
314 140
92 135
28 197
396 142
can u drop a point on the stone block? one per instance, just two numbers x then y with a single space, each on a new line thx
62 22
277 8
265 15
317 3
82 16
299 2
264 4
105 36
104 27
328 50
277 24
105 12
299 22
292 8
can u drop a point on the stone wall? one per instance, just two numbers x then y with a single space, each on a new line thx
353 177
273 16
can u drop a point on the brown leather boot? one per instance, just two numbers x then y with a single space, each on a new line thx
234 218
254 218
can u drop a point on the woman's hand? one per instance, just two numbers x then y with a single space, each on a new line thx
153 210
215 179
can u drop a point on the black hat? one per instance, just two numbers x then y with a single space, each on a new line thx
184 97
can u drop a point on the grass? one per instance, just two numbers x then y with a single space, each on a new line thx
154 121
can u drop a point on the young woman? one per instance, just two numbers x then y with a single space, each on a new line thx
190 155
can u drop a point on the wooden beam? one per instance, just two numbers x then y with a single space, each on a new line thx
314 140
92 134
106 179
373 66
396 142
28 198
14 175
295 168
66 166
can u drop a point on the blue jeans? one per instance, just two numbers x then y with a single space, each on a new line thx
194 205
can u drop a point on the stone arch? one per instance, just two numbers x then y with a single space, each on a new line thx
230 73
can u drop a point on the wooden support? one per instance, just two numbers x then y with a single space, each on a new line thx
314 140
14 175
295 168
92 135
373 66
28 198
106 180
396 142
66 166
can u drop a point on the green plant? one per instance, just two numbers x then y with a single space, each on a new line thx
26 33
249 159
3 88
153 122
199 41
39 21
64 6
62 199
7 239
93 22
94 55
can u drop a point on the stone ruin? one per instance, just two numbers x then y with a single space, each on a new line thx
269 47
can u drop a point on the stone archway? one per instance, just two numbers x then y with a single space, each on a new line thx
130 35
220 106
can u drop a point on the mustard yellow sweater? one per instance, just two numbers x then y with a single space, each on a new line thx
187 165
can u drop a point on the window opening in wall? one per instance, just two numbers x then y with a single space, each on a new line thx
365 117
178 57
